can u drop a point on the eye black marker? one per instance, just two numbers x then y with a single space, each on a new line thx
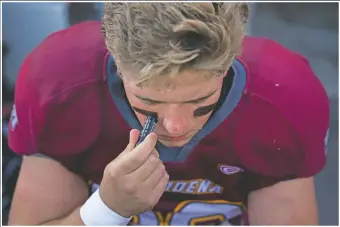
204 110
144 112
149 126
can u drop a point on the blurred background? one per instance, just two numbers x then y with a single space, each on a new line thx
308 28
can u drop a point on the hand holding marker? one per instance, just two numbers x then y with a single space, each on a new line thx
142 180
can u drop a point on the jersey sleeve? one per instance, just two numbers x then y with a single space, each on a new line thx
283 134
52 121
280 151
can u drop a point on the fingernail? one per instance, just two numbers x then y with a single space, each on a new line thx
153 134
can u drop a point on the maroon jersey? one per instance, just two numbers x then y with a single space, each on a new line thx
70 105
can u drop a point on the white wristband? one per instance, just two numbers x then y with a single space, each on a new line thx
94 212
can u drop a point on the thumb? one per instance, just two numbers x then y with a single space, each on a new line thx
134 134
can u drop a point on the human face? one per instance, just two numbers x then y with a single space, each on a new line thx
183 105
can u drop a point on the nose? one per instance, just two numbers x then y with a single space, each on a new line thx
174 123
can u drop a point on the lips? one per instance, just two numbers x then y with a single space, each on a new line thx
173 138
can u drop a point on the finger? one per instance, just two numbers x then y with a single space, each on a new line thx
154 178
155 153
144 171
159 189
133 138
148 144
134 159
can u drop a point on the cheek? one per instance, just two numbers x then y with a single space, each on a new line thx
203 119
141 118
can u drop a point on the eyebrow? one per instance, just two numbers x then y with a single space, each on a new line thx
189 101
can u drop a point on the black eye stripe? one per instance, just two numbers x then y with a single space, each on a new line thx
204 110
201 111
145 112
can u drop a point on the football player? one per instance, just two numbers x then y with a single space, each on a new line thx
241 127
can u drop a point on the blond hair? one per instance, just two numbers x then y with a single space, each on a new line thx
166 38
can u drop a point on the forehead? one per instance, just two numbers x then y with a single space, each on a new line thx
188 83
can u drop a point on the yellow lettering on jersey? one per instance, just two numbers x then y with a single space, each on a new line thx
204 220
135 219
193 212
163 221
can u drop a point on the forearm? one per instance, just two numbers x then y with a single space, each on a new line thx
94 212
285 203
73 219
47 197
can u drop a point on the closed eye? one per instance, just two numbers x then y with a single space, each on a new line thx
197 102
150 102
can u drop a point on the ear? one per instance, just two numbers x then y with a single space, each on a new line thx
224 73
119 73
244 12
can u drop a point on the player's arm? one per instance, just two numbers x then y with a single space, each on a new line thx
298 151
290 197
47 188
141 178
47 194
289 202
